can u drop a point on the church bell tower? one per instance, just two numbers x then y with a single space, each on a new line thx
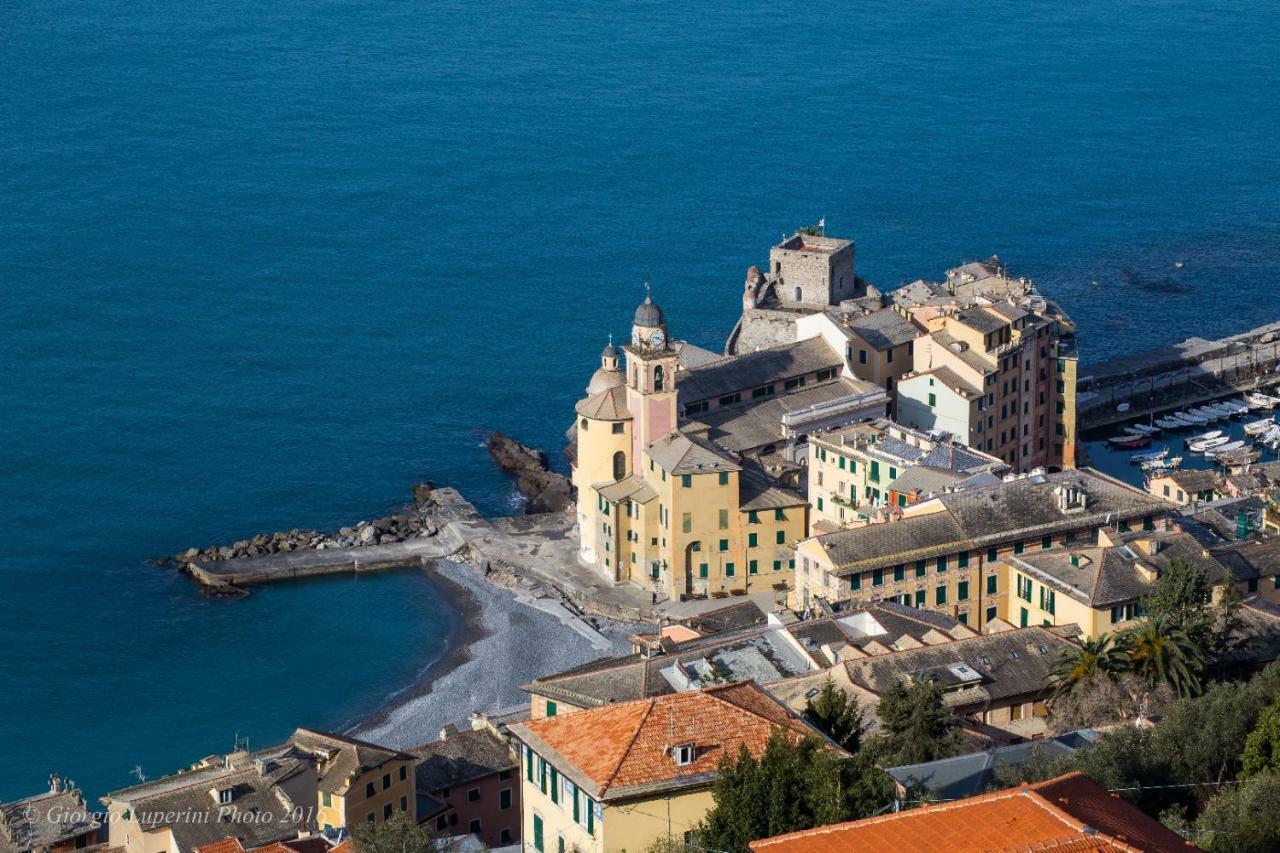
651 378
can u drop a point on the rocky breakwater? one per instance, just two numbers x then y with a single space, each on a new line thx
543 489
416 520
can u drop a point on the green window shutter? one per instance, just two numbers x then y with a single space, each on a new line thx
555 786
992 555
940 595
576 810
919 568
752 540
875 471
724 544
991 585
893 473
1017 547
962 591
1046 543
855 582
777 566
537 833
724 478
877 577
899 572
933 400
963 560
1022 617
919 598
542 773
686 480
942 563
752 566
778 516
528 772
551 708
819 504
782 537
728 570
853 466
591 817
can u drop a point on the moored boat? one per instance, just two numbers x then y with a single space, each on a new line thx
1259 426
1129 441
1207 444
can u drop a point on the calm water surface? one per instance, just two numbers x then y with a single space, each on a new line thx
266 265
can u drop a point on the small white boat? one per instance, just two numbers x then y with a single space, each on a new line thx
1223 410
1205 436
1191 418
1123 407
1149 456
1209 413
1259 400
1224 449
1207 444
1259 426
1145 429
1171 422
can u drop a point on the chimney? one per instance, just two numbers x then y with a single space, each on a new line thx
449 730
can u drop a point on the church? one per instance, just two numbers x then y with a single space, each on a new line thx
689 465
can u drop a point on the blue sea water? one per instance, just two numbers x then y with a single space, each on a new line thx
265 265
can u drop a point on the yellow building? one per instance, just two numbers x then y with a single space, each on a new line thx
661 501
946 554
1188 487
359 782
621 777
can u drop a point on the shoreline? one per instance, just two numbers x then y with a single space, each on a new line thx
502 639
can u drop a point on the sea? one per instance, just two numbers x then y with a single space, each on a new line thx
267 265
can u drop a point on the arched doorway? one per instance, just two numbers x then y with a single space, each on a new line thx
695 581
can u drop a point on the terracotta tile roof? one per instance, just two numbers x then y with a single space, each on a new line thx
1070 813
620 748
224 845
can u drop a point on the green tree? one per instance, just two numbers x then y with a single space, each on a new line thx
397 834
1244 818
1182 595
793 785
837 715
1161 651
1105 700
915 726
1262 747
1081 664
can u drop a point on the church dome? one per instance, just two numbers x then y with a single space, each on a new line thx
648 314
604 379
609 352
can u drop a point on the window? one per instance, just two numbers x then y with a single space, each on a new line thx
899 572
657 378
940 595
781 538
840 462
551 708
474 826
942 563
862 356
728 570
404 804
386 811
506 837
819 504
404 772
617 428
702 570
730 399
919 568
686 480
991 584
752 567
724 478
724 544
777 566
684 754
992 556
793 384
855 582
919 598
962 559
1047 600
538 843
225 794
504 799
326 799
962 591
1046 543
778 515
875 471
369 790
933 400
686 522
1022 617
877 577
724 520
752 540
555 786
1017 547
991 614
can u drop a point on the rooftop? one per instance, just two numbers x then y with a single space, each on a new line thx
343 758
885 329
460 757
40 821
813 243
974 772
1070 812
628 749
762 367
679 453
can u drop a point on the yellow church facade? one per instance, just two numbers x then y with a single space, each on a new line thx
658 503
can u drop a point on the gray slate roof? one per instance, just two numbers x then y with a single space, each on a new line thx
974 772
460 758
348 756
753 425
1011 664
678 453
36 822
1020 509
743 372
885 329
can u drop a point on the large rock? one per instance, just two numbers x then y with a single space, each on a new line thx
543 489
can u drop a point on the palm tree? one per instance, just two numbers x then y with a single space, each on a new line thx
1077 665
1160 651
